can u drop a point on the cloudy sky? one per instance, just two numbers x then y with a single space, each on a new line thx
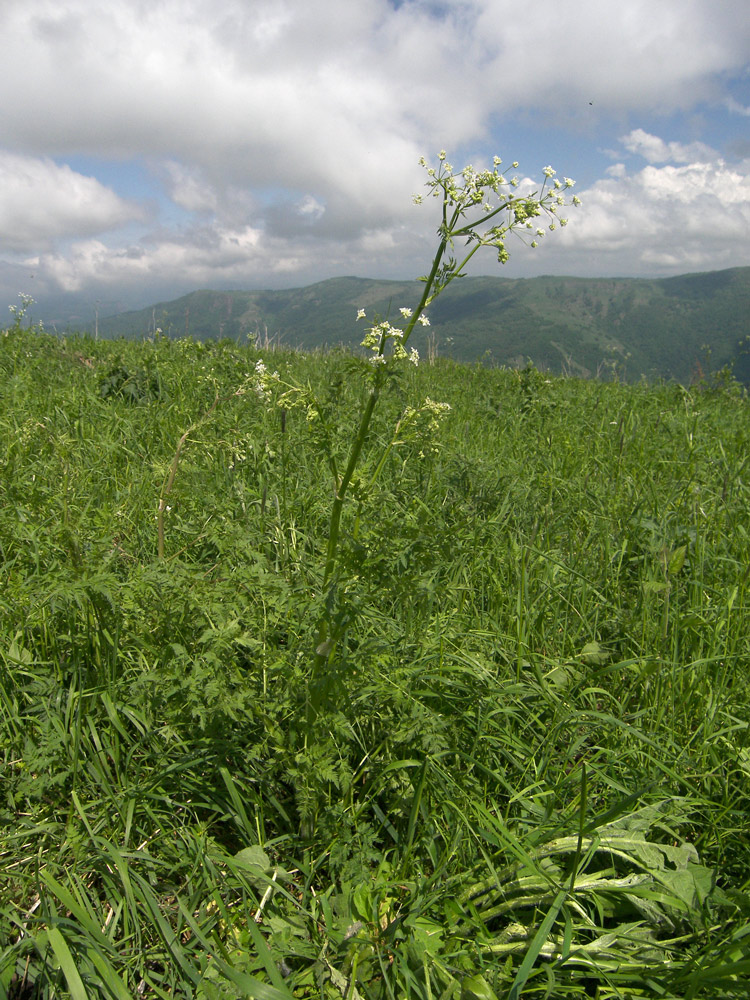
151 147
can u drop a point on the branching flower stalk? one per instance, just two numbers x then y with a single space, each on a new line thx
481 208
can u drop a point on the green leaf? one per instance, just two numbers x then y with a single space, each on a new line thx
427 936
67 964
253 857
477 988
256 862
595 655
676 560
536 946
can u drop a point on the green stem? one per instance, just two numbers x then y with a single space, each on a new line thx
343 485
323 647
364 426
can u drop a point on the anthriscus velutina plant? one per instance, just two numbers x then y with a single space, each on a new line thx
479 208
20 314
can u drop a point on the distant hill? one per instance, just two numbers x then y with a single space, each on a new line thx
669 327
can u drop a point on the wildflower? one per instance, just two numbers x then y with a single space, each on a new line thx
414 356
423 320
360 314
549 172
405 312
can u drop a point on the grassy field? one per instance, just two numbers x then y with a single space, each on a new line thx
528 774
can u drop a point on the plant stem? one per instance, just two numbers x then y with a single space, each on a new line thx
323 646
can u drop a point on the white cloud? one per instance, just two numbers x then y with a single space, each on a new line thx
286 134
41 202
343 95
187 188
223 255
215 255
310 208
656 150
663 219
636 55
736 108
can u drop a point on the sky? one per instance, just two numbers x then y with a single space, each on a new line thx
149 148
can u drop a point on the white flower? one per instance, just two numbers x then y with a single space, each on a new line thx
423 320
360 314
549 172
414 356
405 312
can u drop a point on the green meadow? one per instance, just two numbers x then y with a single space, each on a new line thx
524 770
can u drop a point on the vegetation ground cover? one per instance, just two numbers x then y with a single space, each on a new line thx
529 776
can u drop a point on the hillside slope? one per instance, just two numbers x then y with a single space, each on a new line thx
670 327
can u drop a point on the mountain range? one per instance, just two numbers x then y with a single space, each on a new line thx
673 328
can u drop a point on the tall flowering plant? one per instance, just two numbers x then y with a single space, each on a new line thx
479 208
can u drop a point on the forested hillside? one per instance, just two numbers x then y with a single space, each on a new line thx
674 328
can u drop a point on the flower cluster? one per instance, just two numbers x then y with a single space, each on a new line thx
271 388
421 425
469 187
380 333
20 313
260 381
489 191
